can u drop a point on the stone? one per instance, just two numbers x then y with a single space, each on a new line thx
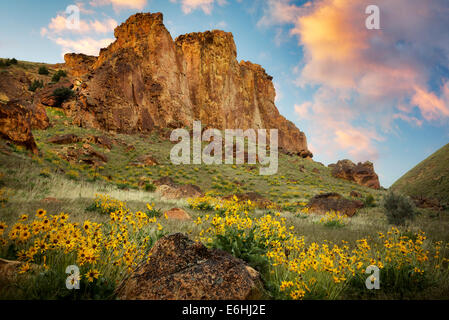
9 269
177 214
64 139
179 191
145 160
328 202
79 64
355 194
361 173
15 125
181 269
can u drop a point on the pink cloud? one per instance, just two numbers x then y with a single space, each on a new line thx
60 24
366 78
86 45
432 107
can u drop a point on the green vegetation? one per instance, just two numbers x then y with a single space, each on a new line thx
7 62
398 208
50 182
36 84
62 94
58 75
429 179
43 70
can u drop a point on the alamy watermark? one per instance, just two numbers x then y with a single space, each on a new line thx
72 20
73 280
256 141
372 22
373 281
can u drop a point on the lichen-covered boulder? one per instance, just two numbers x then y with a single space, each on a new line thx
181 269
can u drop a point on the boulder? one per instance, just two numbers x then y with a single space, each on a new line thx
102 141
46 98
181 269
355 194
15 125
9 268
64 139
361 173
179 191
145 160
165 181
177 214
327 202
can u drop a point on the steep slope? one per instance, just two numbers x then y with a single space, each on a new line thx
429 179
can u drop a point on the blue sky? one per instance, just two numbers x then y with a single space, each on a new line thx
378 95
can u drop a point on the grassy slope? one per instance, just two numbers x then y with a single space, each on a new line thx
429 179
28 181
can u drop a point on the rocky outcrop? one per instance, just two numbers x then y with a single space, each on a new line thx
14 86
361 173
84 154
179 191
79 64
145 81
177 214
181 269
15 125
145 160
328 202
64 139
137 83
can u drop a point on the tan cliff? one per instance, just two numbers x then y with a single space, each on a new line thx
145 80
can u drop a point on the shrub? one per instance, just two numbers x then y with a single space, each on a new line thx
58 75
36 84
150 187
7 62
62 94
43 70
370 201
398 208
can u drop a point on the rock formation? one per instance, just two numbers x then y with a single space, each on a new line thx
14 86
327 202
15 125
361 173
181 269
79 64
145 80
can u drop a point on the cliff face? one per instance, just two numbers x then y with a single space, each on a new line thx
145 80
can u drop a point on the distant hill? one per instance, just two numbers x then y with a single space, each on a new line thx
429 179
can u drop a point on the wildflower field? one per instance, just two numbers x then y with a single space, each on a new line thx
104 220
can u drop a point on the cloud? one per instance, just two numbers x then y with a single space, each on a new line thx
120 4
86 45
88 38
366 79
61 24
188 6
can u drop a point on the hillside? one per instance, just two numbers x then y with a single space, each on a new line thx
429 179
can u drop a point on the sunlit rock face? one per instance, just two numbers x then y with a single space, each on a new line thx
145 80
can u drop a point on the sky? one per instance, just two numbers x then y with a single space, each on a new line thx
362 94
